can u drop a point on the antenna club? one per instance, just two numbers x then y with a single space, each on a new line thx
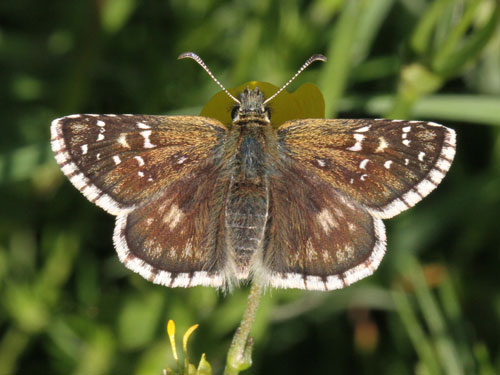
318 57
188 55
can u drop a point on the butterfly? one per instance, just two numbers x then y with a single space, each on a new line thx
298 206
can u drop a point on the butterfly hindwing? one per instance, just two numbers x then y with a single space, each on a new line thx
318 238
385 165
120 161
175 240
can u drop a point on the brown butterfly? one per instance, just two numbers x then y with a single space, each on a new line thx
298 206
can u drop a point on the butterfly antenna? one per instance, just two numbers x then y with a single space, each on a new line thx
309 61
195 57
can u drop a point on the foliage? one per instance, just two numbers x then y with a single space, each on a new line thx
68 306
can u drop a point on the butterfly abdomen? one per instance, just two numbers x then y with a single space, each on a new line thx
246 207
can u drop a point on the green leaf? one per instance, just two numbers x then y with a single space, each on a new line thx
115 14
450 62
421 38
145 309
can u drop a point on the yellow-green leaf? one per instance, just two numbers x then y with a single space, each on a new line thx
204 368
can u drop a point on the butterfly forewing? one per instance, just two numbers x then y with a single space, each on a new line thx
160 175
120 161
385 165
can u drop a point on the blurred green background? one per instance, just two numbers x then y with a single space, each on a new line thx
67 304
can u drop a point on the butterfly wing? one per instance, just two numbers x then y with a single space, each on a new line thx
335 181
118 162
317 238
176 239
156 174
387 166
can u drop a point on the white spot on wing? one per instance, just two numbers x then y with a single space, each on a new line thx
406 129
434 124
117 159
84 148
321 162
357 146
147 143
363 177
140 160
326 220
326 256
425 187
310 253
338 212
69 169
181 160
363 129
412 197
406 142
345 254
443 164
100 137
362 165
407 161
61 158
382 144
122 139
421 155
140 174
448 152
57 145
387 164
142 125
100 123
173 217
436 176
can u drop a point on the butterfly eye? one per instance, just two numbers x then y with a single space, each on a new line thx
267 113
234 112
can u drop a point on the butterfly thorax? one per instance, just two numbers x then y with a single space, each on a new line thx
247 203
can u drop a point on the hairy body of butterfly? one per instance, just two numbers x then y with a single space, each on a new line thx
298 206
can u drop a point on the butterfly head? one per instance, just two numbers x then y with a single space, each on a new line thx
251 107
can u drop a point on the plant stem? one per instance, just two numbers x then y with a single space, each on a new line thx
239 356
